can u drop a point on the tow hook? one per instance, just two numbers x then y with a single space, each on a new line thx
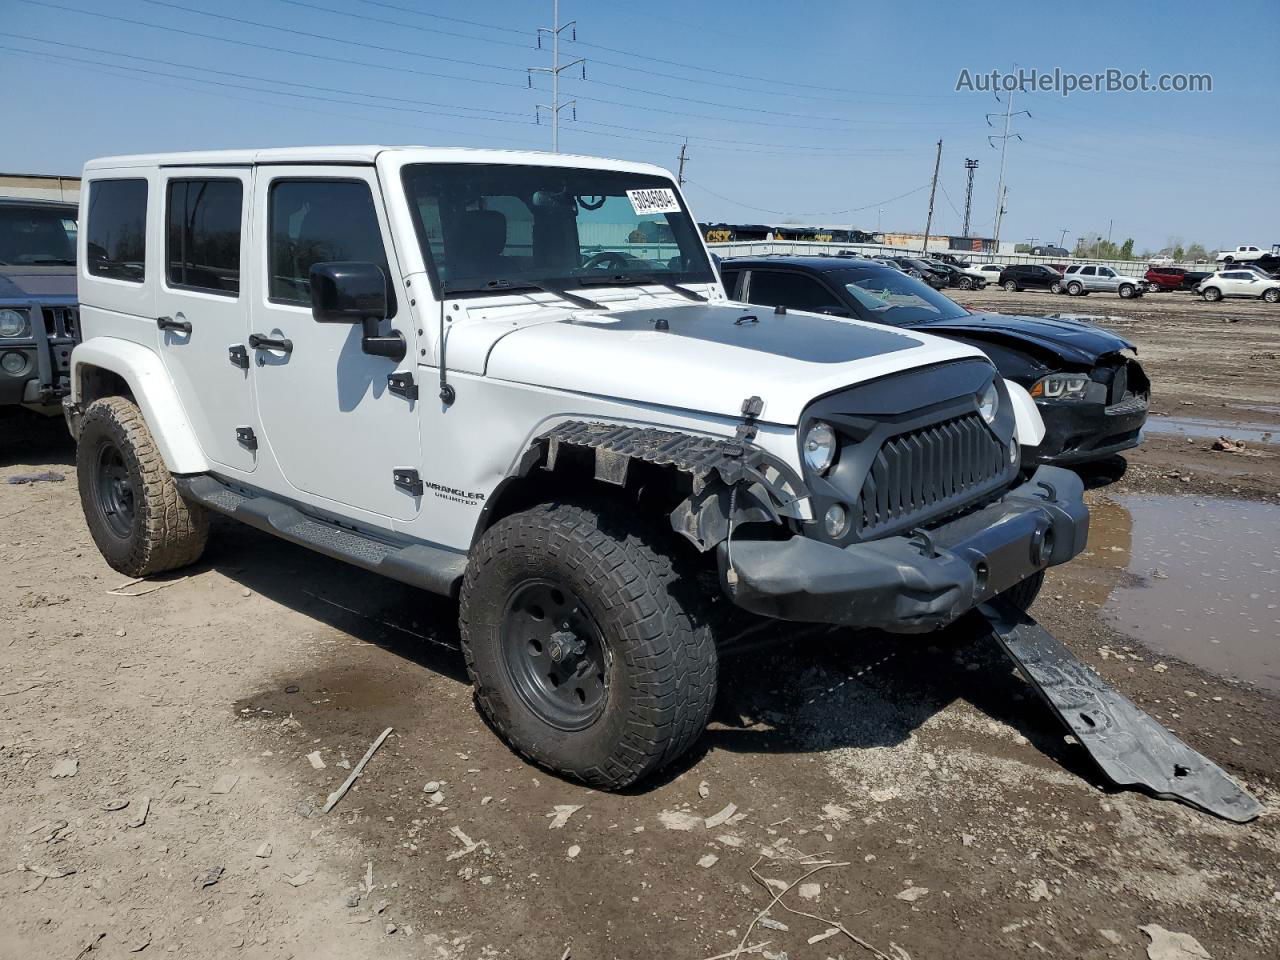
1128 745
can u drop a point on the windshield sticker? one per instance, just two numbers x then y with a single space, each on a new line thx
656 200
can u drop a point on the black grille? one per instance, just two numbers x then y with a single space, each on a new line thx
62 322
919 476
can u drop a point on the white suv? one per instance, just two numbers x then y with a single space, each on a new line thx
1240 282
514 378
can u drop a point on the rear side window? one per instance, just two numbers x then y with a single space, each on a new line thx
320 221
769 288
116 233
730 280
202 235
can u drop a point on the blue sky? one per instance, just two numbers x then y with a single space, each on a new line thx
819 112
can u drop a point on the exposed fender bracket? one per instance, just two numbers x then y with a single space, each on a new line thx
717 467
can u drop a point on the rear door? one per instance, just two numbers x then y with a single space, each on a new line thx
202 306
335 429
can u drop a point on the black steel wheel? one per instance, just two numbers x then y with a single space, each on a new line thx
588 634
131 505
555 654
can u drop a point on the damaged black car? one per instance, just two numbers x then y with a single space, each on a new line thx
1091 391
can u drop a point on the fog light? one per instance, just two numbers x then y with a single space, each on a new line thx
836 521
13 362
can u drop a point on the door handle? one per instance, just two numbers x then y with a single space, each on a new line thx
178 326
258 342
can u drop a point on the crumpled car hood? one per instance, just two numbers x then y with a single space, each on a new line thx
1075 341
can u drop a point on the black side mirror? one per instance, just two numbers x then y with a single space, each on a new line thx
355 292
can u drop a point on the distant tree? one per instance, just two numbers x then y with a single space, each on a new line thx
1022 248
1126 249
1197 252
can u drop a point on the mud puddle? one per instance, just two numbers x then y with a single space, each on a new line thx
1194 578
1256 432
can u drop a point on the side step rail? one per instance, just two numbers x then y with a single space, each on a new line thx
1130 747
418 564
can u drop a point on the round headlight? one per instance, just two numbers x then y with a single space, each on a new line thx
989 402
13 324
819 447
13 362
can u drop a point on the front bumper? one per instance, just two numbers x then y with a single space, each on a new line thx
914 584
1077 431
45 353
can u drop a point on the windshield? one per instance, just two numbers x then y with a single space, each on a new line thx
37 236
490 227
887 296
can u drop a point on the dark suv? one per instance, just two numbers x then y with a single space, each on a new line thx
1091 396
1030 276
38 314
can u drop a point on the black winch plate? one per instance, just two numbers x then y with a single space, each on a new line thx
1130 747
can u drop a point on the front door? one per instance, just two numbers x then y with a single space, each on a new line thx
331 422
202 306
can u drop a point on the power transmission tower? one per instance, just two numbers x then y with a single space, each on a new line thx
937 163
1004 139
680 172
556 68
970 165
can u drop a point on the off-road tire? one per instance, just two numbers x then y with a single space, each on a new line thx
164 531
1010 286
1023 594
653 618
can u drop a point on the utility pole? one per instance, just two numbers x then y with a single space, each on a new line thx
680 171
555 70
1004 147
937 162
970 165
1063 239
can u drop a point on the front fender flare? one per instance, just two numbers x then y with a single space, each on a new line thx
1026 416
153 392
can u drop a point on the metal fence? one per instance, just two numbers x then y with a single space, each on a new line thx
756 248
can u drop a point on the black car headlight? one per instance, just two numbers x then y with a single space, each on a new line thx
14 323
1061 386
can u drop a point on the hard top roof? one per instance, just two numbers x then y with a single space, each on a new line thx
815 264
365 154
37 202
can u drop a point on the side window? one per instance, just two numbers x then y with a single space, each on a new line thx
1089 271
770 288
1106 272
202 235
730 279
319 221
117 229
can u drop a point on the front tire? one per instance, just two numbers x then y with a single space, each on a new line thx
1272 295
1023 593
136 516
588 643
965 283
1127 291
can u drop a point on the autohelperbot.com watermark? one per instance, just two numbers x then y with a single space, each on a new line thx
1065 83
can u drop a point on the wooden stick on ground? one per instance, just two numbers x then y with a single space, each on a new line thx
355 774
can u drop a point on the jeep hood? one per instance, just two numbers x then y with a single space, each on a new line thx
1075 341
19 282
704 357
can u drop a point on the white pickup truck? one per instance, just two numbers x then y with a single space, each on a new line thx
514 378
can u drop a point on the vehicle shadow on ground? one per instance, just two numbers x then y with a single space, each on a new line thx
1102 473
843 689
789 689
35 441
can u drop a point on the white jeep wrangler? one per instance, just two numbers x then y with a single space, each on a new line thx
515 378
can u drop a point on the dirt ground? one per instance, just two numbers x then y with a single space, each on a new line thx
945 812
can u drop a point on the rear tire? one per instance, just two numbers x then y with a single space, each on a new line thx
1011 286
1212 294
1055 287
1075 289
136 516
629 684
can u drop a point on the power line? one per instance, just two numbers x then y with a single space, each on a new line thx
363 17
819 213
441 16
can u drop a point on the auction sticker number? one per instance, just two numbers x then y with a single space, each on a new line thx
656 200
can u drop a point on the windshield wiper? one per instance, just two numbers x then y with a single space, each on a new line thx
531 285
627 279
